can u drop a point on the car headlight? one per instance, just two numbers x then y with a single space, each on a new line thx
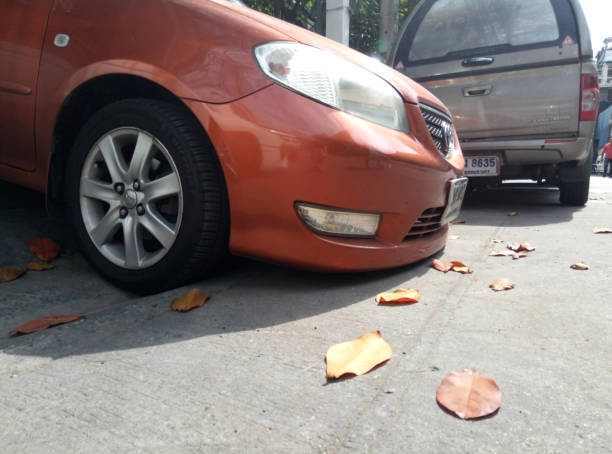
333 81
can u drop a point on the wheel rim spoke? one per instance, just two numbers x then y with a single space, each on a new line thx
162 187
134 251
159 228
140 159
106 228
113 159
95 189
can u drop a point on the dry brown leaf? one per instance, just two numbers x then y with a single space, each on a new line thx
505 253
518 247
44 323
10 274
399 296
358 356
45 248
469 395
452 237
444 266
39 266
519 255
457 221
502 284
186 302
579 266
459 267
602 230
441 265
497 240
513 213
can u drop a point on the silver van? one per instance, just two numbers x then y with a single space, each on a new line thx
520 80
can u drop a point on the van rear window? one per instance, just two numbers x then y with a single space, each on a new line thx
453 26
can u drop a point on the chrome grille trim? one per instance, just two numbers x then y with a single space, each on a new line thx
435 121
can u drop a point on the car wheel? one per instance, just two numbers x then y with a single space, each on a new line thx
146 196
574 184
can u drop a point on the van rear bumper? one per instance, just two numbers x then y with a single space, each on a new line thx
532 152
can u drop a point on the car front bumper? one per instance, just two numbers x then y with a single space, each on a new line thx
277 148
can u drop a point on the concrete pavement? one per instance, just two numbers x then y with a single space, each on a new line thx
246 372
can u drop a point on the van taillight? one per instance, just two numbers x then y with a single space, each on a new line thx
589 97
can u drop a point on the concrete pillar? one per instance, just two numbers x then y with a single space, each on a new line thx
337 21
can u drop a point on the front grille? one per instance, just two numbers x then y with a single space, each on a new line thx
435 123
427 224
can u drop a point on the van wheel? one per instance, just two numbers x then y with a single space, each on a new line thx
146 196
574 184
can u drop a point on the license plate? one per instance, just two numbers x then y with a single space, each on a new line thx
481 166
455 199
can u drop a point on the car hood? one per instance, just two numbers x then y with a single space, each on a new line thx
410 91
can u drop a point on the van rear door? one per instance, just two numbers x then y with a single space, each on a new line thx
505 68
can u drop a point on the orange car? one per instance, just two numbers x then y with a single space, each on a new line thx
176 131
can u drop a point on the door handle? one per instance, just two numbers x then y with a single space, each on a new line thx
483 90
477 61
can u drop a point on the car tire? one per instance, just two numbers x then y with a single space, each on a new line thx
574 184
146 196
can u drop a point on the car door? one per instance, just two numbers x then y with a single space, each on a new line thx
22 29
505 68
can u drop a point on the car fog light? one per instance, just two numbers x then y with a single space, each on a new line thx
338 222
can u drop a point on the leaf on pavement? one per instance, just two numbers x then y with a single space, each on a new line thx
502 284
505 253
519 255
579 266
45 248
459 267
497 240
469 395
44 323
10 274
444 266
602 230
358 356
399 296
441 265
518 247
513 213
186 302
39 266
457 221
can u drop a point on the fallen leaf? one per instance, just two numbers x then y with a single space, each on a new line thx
44 323
505 253
513 213
358 356
441 265
452 237
458 221
39 266
10 274
186 302
469 395
459 267
518 247
496 240
579 266
45 248
444 266
502 284
399 296
519 255
602 230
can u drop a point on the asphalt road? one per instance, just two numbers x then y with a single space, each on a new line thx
246 372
